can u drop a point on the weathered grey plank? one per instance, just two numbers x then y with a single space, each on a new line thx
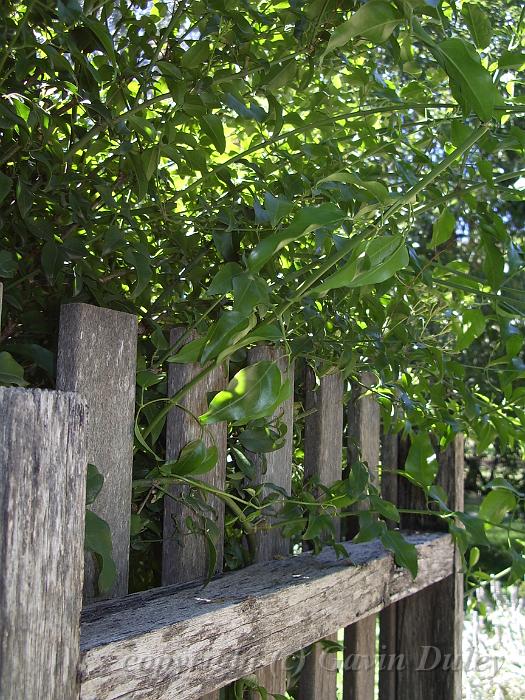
323 447
42 495
185 555
178 645
387 617
428 626
97 354
363 443
277 470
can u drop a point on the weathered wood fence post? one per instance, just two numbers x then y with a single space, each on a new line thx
97 355
323 448
184 555
42 505
278 471
422 637
363 443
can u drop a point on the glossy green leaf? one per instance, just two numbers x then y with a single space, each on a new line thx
222 283
254 392
496 504
421 462
249 292
307 220
443 228
6 184
405 553
230 328
374 21
11 373
478 23
194 459
471 326
94 483
98 541
470 82
212 126
374 261
8 264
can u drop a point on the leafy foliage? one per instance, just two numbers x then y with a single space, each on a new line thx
341 179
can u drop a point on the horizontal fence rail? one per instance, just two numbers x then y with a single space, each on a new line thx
186 643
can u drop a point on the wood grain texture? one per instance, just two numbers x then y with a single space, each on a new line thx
184 555
275 468
429 625
178 644
387 617
97 354
364 444
42 495
323 447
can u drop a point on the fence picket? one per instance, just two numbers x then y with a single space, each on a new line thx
387 617
97 353
42 496
360 639
323 443
185 557
278 471
432 619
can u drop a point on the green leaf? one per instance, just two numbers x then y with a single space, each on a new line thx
471 327
51 260
470 82
212 127
249 292
8 264
370 528
6 183
421 462
474 528
195 458
511 59
222 283
104 37
263 439
68 11
191 352
98 541
496 504
385 508
143 269
11 373
230 328
405 553
358 480
196 55
443 228
317 526
94 483
254 392
307 220
478 23
373 262
374 21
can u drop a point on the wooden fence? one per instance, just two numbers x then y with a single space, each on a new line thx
182 641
